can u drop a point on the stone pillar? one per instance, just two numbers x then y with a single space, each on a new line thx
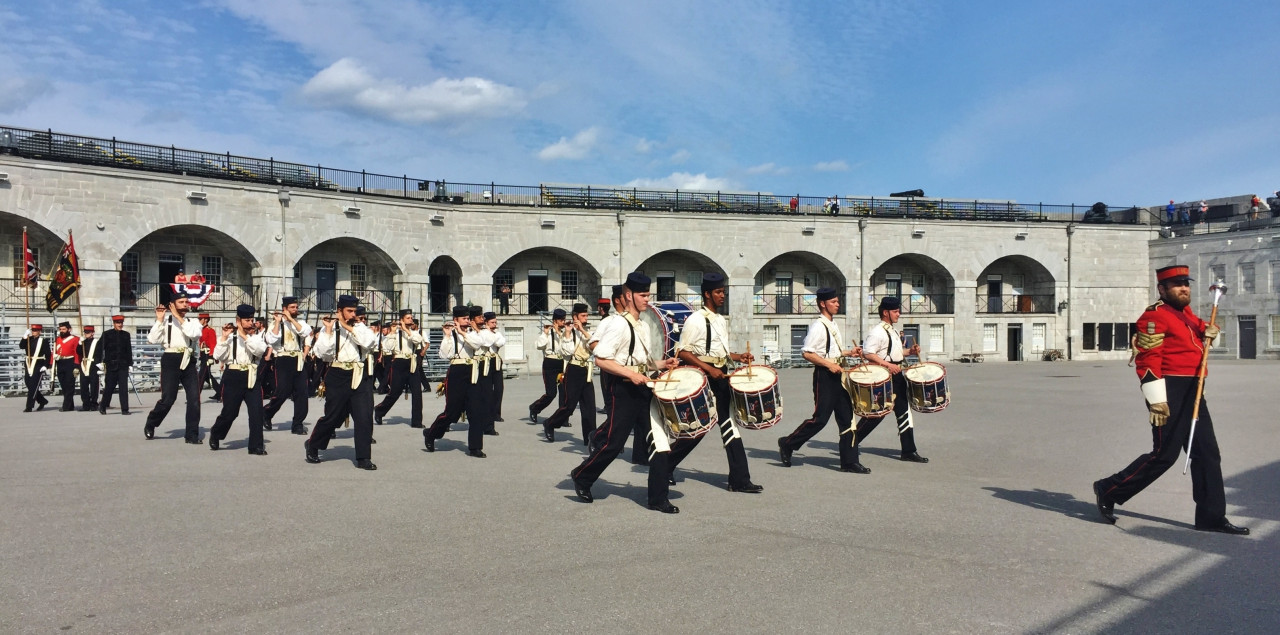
269 290
741 325
968 336
413 293
99 293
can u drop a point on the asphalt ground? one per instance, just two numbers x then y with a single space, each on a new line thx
103 531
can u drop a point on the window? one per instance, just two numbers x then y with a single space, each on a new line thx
811 279
1120 341
917 282
503 278
359 276
1246 278
771 335
1090 337
19 262
893 285
515 343
129 274
1217 272
937 341
568 285
1275 276
989 338
666 286
1038 331
297 277
1275 331
694 278
211 269
1104 336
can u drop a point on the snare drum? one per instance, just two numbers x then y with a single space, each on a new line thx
757 402
871 388
927 387
686 403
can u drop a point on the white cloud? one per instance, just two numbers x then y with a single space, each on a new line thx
643 146
684 181
16 93
349 86
831 166
576 148
680 156
763 168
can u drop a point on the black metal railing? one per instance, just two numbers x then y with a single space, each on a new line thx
146 295
16 300
535 303
788 304
1043 303
51 145
921 304
313 300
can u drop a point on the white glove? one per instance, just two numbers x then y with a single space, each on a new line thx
28 333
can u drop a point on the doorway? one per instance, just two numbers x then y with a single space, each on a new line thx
537 291
1248 336
438 292
169 265
1015 342
910 336
326 285
798 331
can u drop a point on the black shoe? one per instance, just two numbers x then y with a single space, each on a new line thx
856 468
429 443
102 410
583 491
549 434
26 410
479 454
298 428
533 416
258 451
491 433
313 456
372 440
64 409
665 507
125 412
784 454
40 406
377 418
213 444
417 425
913 457
194 440
749 488
366 464
1106 506
1226 528
564 425
149 431
267 426
499 419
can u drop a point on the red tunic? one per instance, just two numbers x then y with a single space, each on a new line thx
1181 349
68 346
208 339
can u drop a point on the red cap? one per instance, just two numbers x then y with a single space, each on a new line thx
88 329
37 327
1174 272
117 318
203 316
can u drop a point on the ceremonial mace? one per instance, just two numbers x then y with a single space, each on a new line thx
1218 288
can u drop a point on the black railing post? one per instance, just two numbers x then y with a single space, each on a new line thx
362 176
173 158
493 193
113 148
404 186
272 164
677 207
1040 208
49 142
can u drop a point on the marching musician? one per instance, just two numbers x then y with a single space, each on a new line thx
90 358
1171 344
288 341
239 349
36 357
495 349
461 345
345 343
822 349
551 343
179 368
576 388
117 358
487 359
401 347
66 361
208 340
622 352
883 347
382 371
704 344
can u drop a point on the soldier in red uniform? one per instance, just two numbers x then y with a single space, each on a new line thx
66 358
208 340
1170 345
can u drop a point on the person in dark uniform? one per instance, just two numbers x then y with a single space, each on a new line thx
287 338
266 370
550 342
495 363
1171 344
90 358
37 354
179 336
239 350
704 344
345 343
66 360
576 386
381 371
117 358
883 347
822 349
401 348
622 352
464 391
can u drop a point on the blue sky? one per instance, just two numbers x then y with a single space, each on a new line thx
1128 103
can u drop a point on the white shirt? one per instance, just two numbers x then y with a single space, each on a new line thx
626 346
172 332
609 322
401 342
693 335
288 339
454 346
234 349
352 347
823 338
884 342
551 343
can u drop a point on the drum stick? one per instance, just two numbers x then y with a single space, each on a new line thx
749 364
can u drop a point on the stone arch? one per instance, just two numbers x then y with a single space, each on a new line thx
922 283
566 278
1016 284
444 284
154 260
788 283
677 274
45 245
346 265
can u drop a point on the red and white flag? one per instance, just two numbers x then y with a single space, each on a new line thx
31 273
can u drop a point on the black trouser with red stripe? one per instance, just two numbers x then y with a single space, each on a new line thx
550 369
236 391
1167 443
291 385
341 401
461 395
628 406
172 377
739 473
398 377
829 397
66 369
116 379
901 412
577 393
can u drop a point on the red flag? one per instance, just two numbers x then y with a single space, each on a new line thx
31 273
64 280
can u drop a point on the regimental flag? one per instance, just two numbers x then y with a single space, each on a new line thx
195 292
64 280
31 273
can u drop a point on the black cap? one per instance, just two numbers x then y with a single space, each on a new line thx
558 314
460 311
244 311
617 292
404 312
62 324
638 282
287 300
360 310
579 307
890 303
347 301
712 281
375 324
490 315
474 312
826 293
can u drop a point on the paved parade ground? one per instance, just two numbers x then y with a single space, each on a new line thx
104 531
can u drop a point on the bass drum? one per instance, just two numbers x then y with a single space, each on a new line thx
665 319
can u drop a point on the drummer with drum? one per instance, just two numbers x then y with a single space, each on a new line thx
704 344
883 347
